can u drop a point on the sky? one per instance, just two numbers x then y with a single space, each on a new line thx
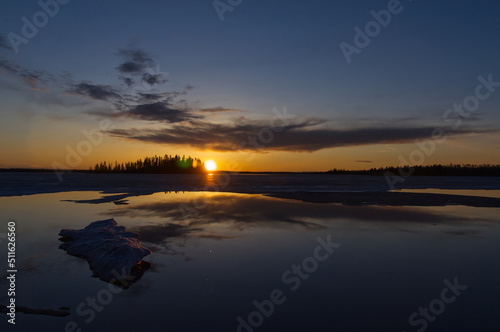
254 85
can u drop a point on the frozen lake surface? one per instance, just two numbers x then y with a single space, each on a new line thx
224 261
35 183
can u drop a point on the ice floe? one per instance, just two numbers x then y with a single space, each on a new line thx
113 253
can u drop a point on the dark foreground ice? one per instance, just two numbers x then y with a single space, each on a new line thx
112 252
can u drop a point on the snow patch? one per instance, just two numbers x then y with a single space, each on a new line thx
110 250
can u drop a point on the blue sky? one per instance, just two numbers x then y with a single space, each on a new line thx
263 55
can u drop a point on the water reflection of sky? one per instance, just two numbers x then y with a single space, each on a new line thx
210 264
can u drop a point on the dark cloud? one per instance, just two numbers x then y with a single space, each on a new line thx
218 110
139 63
99 92
159 111
153 79
185 125
138 71
4 43
129 101
147 108
460 118
216 236
135 61
105 113
127 80
130 67
150 96
299 134
32 78
364 161
141 75
470 232
5 65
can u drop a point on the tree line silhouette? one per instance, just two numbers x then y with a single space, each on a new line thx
429 170
157 164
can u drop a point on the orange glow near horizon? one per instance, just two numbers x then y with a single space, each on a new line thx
23 151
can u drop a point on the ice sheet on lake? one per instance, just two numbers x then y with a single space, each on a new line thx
15 184
112 252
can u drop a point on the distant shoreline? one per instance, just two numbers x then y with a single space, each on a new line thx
44 170
493 171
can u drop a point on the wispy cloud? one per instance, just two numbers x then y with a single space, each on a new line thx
33 78
159 111
301 134
148 101
99 92
143 99
190 125
218 110
137 63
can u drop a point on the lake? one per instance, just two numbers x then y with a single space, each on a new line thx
254 257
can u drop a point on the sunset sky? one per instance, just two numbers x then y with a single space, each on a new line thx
263 85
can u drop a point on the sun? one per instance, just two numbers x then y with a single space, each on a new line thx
210 165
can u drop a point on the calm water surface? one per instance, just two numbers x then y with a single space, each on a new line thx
215 254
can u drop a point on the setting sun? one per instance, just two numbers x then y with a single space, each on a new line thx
210 165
